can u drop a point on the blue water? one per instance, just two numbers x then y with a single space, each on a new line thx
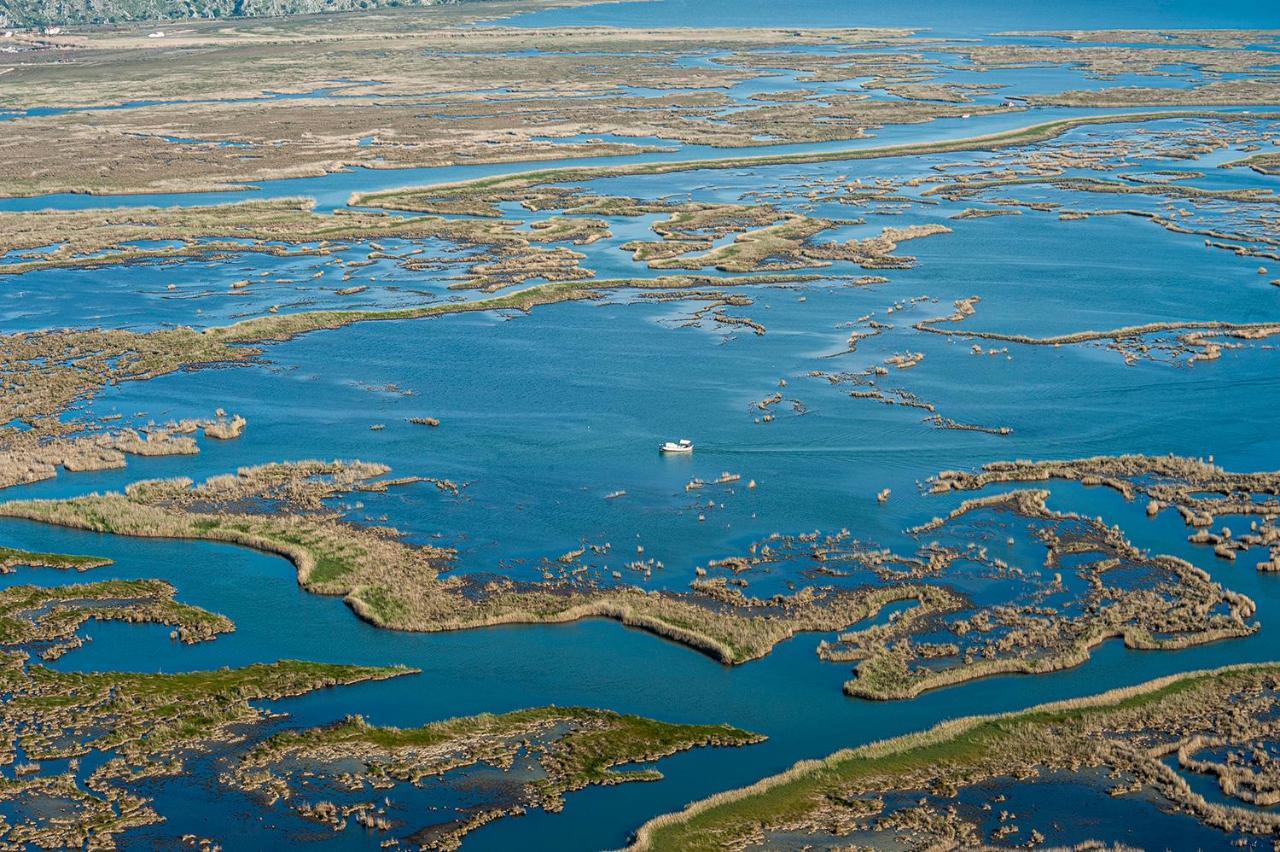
519 433
942 17
543 415
203 292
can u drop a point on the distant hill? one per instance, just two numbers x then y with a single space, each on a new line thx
41 13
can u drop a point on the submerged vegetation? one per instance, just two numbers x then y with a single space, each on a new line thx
143 725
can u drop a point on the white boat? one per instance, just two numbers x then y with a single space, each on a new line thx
684 445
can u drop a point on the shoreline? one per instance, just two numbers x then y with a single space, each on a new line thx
812 773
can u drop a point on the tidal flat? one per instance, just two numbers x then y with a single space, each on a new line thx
973 332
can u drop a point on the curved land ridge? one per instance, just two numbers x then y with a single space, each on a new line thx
1129 731
1039 132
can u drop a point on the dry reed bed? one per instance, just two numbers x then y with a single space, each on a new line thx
866 385
106 237
1118 591
1232 220
36 454
1199 490
792 245
548 98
